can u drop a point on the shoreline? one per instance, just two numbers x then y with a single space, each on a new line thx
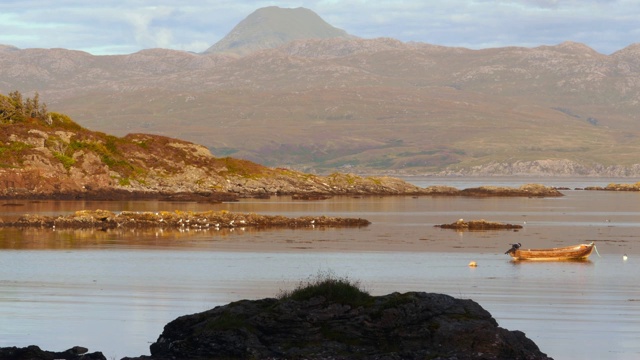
114 194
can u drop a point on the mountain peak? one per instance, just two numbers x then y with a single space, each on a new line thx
631 52
576 47
271 27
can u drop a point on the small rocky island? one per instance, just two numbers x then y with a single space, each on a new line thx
104 219
479 225
331 318
616 187
414 325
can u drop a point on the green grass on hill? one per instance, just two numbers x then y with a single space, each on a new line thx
333 288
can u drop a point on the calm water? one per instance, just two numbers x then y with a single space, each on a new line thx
114 291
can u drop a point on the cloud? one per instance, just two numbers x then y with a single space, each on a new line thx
148 28
126 26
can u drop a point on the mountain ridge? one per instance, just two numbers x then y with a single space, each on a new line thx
361 105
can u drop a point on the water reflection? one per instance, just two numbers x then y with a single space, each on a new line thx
585 262
59 239
114 290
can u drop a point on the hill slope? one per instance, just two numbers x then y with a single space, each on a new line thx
51 156
375 105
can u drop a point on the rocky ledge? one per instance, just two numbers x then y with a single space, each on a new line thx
104 219
479 225
616 187
414 325
121 194
35 353
527 190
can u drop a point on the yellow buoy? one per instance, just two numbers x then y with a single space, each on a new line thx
473 264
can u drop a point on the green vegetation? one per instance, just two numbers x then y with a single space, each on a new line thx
63 121
10 153
108 152
20 116
67 161
336 289
15 109
29 131
397 301
242 168
124 181
226 321
375 180
14 147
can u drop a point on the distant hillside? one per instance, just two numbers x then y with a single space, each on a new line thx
361 105
271 27
46 154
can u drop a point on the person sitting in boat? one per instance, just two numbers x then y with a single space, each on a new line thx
514 247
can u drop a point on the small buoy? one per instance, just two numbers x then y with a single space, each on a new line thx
473 264
624 257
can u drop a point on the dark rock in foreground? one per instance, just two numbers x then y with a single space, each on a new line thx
396 326
35 353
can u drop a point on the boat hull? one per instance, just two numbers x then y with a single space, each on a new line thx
575 252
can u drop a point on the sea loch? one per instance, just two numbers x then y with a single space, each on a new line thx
113 291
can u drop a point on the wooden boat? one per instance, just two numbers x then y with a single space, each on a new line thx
574 252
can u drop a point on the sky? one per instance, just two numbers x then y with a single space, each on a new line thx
127 26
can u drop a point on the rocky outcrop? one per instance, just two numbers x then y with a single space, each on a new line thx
213 220
527 190
412 325
35 353
616 187
62 160
479 225
288 182
336 322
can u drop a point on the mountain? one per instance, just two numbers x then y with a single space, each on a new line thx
271 27
361 105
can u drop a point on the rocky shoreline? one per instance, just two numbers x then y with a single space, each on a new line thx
114 194
121 194
34 352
